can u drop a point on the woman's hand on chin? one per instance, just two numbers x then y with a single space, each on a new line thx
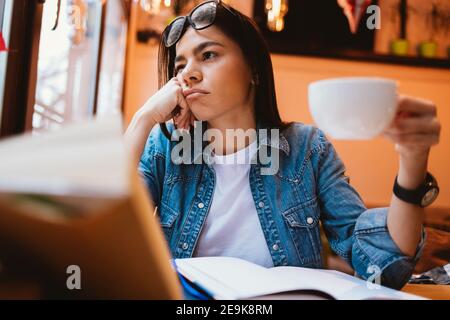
184 119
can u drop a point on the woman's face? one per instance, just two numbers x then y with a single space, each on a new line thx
209 60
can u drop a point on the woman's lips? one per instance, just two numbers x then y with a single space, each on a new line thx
193 93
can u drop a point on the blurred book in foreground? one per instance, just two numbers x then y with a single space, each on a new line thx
71 197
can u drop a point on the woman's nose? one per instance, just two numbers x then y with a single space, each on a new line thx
191 75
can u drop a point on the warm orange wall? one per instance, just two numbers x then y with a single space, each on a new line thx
372 165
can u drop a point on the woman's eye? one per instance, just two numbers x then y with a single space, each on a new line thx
208 55
205 56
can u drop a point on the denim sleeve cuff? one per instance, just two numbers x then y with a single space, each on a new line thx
375 254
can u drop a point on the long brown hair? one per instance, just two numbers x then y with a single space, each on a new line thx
245 33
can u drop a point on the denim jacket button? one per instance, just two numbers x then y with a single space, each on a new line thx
310 220
201 205
261 204
275 247
185 246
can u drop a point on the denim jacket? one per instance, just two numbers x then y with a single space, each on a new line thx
310 188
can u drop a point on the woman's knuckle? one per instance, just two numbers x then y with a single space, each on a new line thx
438 127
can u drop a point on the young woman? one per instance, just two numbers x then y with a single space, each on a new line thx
214 67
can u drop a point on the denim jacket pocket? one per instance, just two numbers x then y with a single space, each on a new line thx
303 226
167 217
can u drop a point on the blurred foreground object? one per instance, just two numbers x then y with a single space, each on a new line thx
70 198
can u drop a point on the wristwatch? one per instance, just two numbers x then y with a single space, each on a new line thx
422 196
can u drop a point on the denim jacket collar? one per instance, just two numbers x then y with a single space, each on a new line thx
281 143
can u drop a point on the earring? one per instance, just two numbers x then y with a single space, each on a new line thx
255 80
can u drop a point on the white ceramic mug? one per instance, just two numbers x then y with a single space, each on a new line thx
353 108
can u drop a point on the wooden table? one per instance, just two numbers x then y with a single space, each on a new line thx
430 291
17 289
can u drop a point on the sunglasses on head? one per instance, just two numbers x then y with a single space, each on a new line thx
201 17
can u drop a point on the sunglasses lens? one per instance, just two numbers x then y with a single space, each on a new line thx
204 15
173 33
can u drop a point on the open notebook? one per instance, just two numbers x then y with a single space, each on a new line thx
71 197
233 278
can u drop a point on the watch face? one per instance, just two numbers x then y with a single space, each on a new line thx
429 197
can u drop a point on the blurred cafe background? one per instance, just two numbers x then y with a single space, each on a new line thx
68 60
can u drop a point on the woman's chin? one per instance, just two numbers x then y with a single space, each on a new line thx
202 116
205 113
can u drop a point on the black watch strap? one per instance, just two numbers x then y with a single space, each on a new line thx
422 196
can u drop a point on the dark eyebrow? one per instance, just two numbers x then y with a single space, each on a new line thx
199 48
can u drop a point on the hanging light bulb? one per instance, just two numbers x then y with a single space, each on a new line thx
154 6
276 10
151 6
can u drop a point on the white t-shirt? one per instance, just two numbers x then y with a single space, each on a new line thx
232 227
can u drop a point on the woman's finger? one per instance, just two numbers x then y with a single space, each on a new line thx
192 119
413 139
416 106
427 124
185 119
184 108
